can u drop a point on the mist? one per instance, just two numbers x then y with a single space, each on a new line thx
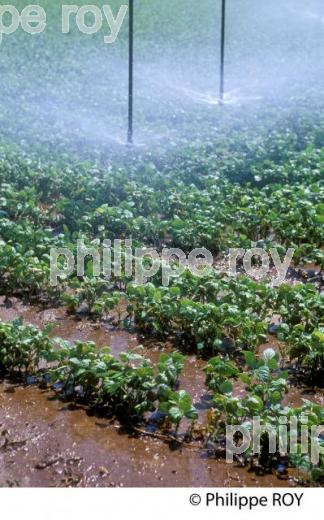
69 91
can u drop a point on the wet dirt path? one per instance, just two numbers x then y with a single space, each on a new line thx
46 442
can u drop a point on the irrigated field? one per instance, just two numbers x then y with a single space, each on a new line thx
189 357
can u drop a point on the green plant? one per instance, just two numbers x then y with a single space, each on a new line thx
128 386
22 347
177 406
209 327
265 387
308 349
93 293
219 373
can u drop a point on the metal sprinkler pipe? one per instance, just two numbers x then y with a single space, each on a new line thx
130 73
222 54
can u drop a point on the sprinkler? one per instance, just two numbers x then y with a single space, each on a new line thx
222 56
130 73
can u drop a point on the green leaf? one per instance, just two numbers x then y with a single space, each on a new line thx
254 403
226 387
250 359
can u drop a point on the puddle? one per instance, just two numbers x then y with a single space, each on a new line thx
67 327
59 445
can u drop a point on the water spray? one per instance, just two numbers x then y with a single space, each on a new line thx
130 73
222 56
131 66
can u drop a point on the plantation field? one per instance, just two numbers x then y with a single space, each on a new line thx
108 382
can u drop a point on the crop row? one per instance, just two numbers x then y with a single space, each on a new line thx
128 387
265 387
269 195
131 388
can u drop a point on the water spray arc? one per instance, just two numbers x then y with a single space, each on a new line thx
130 131
222 53
130 73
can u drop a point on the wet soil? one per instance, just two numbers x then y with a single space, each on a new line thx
47 442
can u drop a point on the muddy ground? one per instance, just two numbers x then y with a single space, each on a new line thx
47 442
